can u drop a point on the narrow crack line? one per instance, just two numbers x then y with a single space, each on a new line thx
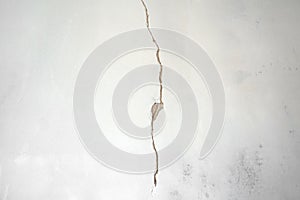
157 50
156 107
156 153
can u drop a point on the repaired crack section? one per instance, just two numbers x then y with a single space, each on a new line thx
156 107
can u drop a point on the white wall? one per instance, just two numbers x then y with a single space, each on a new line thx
254 45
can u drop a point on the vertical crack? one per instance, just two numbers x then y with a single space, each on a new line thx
156 107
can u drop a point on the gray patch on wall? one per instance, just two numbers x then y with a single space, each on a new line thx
245 173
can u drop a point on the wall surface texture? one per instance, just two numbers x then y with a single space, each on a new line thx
254 45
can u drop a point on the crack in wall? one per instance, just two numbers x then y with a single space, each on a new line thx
156 107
